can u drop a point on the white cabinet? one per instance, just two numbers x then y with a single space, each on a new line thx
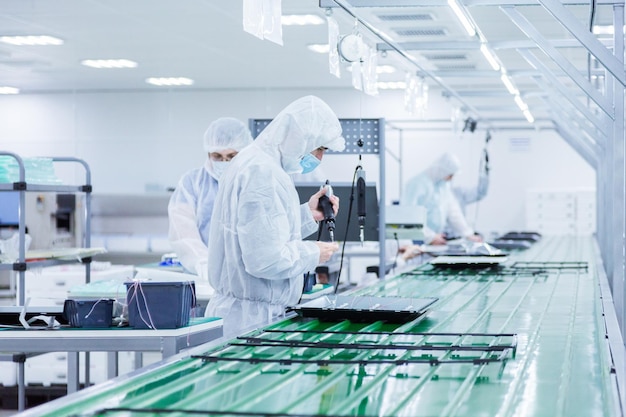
561 212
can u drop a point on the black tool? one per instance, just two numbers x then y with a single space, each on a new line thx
361 212
327 209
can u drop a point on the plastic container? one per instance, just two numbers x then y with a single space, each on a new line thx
89 313
159 305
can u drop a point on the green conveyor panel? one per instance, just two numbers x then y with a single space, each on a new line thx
526 339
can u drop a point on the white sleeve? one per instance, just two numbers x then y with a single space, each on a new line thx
309 225
184 235
469 195
455 219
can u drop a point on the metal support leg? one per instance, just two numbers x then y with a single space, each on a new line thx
21 386
112 365
73 376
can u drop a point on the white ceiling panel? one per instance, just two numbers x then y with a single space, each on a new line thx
205 41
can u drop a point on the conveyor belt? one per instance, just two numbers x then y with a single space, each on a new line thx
511 341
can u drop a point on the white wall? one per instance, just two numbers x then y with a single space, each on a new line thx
132 140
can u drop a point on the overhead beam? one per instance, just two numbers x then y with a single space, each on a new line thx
475 45
529 29
556 103
617 162
592 160
573 25
403 53
594 146
578 105
442 3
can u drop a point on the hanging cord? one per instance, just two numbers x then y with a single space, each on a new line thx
345 237
483 167
592 17
395 260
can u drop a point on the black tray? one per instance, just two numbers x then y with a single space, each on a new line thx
365 309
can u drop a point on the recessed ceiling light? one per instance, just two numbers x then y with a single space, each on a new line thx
301 20
385 69
169 81
9 90
321 48
109 63
31 40
391 85
380 69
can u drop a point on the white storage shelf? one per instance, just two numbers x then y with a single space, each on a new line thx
561 212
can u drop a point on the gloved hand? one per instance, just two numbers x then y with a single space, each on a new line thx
318 215
326 250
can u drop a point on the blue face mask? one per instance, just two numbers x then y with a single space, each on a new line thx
308 163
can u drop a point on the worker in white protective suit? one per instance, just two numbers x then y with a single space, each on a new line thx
258 255
431 189
469 195
191 205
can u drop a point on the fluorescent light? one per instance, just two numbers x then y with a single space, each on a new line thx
380 69
31 40
385 69
109 63
508 84
391 85
9 90
528 116
493 61
320 48
456 8
603 29
169 81
301 20
520 103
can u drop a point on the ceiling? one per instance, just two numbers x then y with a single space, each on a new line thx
204 40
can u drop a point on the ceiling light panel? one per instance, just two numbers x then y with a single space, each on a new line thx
109 63
169 81
320 48
31 40
302 20
391 85
9 90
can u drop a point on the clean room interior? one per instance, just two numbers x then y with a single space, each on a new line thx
138 139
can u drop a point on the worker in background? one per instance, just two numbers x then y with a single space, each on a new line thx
469 195
431 189
258 255
191 205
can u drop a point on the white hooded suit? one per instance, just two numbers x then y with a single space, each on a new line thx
258 257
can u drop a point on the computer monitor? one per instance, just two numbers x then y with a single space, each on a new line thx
9 208
405 222
343 191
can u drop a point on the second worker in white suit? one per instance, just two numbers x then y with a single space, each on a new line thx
431 189
258 255
191 205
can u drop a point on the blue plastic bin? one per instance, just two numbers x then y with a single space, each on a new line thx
159 305
89 313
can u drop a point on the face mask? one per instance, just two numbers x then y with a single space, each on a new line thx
219 167
308 163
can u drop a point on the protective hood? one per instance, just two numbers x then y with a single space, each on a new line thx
446 164
226 133
301 127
